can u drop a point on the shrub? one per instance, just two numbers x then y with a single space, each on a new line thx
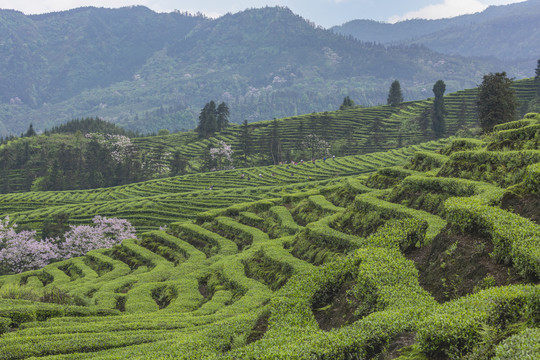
525 345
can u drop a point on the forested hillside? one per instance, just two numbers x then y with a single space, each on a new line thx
427 251
147 71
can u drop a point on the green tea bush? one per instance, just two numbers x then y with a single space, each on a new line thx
499 167
5 324
530 119
455 327
387 177
429 193
366 203
192 232
462 145
251 219
425 161
285 219
525 345
515 239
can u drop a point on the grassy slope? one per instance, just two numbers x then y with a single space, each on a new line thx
261 279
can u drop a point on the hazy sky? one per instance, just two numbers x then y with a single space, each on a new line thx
323 12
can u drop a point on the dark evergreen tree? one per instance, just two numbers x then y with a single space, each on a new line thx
439 109
207 120
178 164
395 95
496 101
30 131
222 116
347 103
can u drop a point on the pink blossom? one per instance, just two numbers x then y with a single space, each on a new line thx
223 154
21 251
105 233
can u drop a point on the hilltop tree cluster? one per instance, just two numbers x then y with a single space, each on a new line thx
213 119
65 159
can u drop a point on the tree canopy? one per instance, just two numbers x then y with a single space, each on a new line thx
347 103
212 119
439 109
395 95
496 101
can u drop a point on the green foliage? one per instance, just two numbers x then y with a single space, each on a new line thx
515 239
462 145
4 324
439 109
269 255
89 125
347 103
499 167
496 101
455 327
395 95
521 346
425 161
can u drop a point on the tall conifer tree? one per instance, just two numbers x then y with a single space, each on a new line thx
222 116
395 95
439 109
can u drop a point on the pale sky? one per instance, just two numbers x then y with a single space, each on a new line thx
326 13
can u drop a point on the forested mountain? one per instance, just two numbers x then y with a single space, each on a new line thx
505 32
147 71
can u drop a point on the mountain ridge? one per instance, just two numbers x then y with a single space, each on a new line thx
265 63
491 24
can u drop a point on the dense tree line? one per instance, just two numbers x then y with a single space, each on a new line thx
90 125
62 162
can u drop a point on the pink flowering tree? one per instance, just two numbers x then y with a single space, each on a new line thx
21 251
223 155
105 233
121 148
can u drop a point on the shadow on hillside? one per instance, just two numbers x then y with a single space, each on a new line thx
455 265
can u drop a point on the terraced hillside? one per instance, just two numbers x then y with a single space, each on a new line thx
31 163
151 204
336 267
392 128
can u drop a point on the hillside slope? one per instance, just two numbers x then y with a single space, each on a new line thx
336 269
265 63
67 162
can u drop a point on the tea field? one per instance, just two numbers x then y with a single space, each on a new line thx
324 260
